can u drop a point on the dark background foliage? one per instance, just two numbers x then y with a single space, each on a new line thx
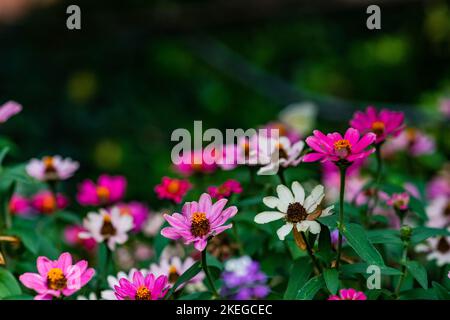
111 94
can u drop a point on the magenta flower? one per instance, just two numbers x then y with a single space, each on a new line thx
46 202
172 189
383 124
348 294
225 190
399 201
137 210
199 221
141 288
196 161
334 147
71 235
52 168
19 205
8 109
108 190
56 278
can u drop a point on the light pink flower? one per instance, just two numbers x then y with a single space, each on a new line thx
399 201
438 211
72 233
137 210
52 168
8 109
56 278
444 107
46 202
333 147
199 221
172 189
348 294
141 288
413 141
283 130
225 190
439 187
108 190
197 161
19 205
384 123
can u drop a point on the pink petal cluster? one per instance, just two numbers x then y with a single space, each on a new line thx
19 205
197 161
384 123
399 201
199 221
8 109
108 190
439 187
411 140
444 108
333 147
46 202
225 190
172 189
137 210
51 168
141 288
348 294
71 235
56 278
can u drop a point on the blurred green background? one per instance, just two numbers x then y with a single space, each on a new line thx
111 94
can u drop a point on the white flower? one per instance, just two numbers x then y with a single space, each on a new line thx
437 248
114 281
112 227
295 209
173 268
238 266
51 168
437 212
281 153
91 296
300 116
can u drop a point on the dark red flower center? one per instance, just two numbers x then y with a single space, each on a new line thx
200 225
296 213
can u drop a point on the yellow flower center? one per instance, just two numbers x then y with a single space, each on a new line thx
174 186
378 127
342 147
102 193
173 274
48 203
56 279
142 293
199 224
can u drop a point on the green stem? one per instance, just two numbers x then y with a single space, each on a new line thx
404 270
281 176
378 176
310 253
208 275
342 169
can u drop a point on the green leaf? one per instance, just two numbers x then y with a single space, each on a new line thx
67 216
19 297
301 269
186 276
213 262
418 272
442 293
358 240
331 277
418 294
361 268
418 208
420 234
3 154
325 251
8 284
196 296
310 289
28 238
386 236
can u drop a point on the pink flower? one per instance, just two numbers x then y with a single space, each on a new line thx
283 130
108 190
349 294
444 107
8 109
172 189
19 205
439 187
51 168
334 147
383 124
197 161
56 278
225 190
413 141
46 202
400 201
199 221
71 235
141 288
137 210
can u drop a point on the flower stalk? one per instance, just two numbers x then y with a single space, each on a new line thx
208 275
311 253
343 169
